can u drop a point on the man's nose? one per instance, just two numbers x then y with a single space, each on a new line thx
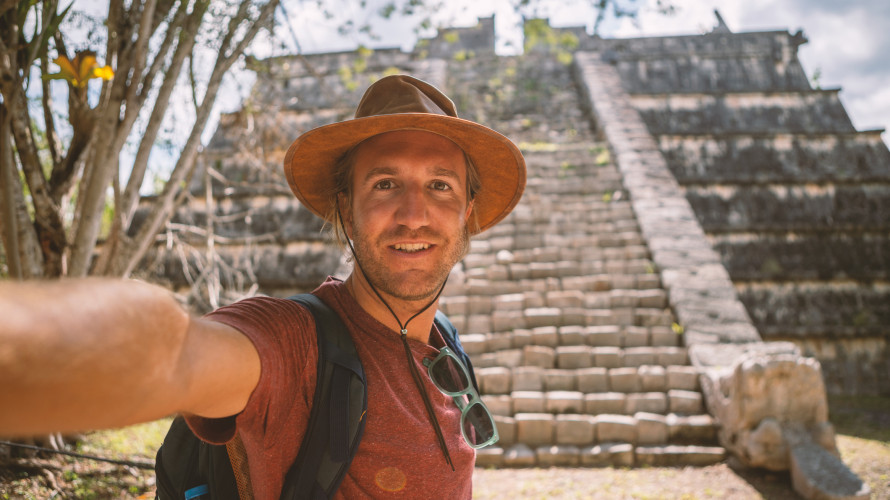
412 211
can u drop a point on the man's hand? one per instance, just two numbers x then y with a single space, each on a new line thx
88 354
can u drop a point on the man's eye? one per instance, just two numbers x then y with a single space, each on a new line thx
385 184
441 186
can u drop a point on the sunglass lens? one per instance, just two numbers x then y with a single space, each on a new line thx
478 425
448 375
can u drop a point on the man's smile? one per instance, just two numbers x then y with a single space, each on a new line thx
411 247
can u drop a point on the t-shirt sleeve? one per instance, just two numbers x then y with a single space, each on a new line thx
283 333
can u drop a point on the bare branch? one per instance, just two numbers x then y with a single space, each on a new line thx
186 162
130 197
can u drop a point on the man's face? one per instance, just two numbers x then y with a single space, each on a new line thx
409 212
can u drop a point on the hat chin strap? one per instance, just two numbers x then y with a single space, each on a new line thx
404 335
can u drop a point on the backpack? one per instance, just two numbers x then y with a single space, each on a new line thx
188 468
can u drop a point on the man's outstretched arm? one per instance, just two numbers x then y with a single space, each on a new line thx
89 354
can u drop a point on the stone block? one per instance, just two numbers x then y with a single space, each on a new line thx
668 356
685 402
564 402
494 380
652 317
700 429
533 299
602 403
562 299
480 305
683 378
478 323
535 429
603 336
635 336
624 380
545 336
560 380
663 336
506 426
490 456
651 402
510 358
575 429
500 341
676 455
506 321
652 298
519 455
608 357
600 317
509 302
639 356
454 305
538 356
592 380
572 335
528 402
615 429
608 455
521 338
653 378
574 357
622 298
558 456
528 378
500 404
573 316
541 316
652 429
474 343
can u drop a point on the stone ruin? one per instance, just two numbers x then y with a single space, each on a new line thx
688 197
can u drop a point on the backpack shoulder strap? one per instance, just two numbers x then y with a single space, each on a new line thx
337 419
449 332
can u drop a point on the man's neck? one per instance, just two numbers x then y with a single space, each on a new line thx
418 328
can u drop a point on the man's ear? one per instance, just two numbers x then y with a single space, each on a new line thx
469 209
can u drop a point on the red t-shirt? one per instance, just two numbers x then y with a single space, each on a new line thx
399 455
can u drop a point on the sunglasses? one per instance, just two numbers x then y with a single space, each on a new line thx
451 377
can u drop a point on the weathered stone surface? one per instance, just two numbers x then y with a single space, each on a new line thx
528 378
608 454
575 429
506 426
519 455
674 455
529 402
560 380
494 380
616 429
535 429
593 380
490 456
558 456
652 429
564 402
818 474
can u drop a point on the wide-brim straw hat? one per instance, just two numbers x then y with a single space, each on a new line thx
401 102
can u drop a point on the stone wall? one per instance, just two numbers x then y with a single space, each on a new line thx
794 199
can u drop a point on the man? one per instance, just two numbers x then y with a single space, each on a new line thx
407 183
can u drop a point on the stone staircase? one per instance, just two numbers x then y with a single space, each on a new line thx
560 305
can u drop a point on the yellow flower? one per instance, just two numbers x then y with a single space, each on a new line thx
81 70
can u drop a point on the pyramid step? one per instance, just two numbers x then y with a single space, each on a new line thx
674 401
600 455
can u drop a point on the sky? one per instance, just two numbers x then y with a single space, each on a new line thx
849 41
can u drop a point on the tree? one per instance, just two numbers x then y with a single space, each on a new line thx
54 177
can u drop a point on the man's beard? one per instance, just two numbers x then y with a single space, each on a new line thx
423 284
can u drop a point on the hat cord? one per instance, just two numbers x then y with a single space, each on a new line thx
404 335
